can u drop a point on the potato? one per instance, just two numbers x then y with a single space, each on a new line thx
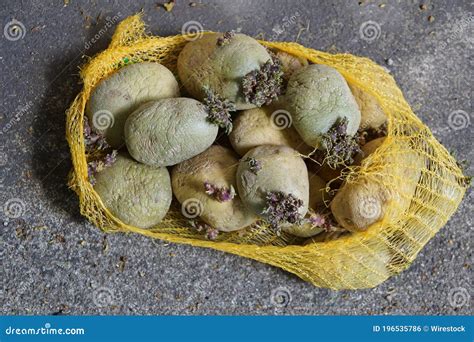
217 165
317 96
273 182
290 63
168 131
368 149
137 194
267 125
366 200
205 64
372 115
117 96
304 230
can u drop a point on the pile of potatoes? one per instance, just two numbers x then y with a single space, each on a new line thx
234 145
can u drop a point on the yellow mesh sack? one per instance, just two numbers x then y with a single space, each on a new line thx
353 261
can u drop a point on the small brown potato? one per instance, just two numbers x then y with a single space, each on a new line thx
267 125
216 165
372 115
290 63
282 170
367 199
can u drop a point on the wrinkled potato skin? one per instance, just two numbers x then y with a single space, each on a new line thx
359 204
168 131
217 165
317 95
372 115
127 89
254 127
202 63
304 230
282 170
290 63
137 194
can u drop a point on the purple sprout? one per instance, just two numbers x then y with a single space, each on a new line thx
210 233
226 38
219 110
281 208
262 86
254 165
222 194
340 146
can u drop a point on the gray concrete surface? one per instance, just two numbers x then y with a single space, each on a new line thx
54 262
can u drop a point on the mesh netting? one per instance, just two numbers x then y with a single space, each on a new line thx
358 260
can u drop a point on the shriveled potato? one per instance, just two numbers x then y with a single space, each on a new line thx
372 115
290 63
367 199
273 182
267 125
217 167
219 65
317 97
137 194
117 96
168 131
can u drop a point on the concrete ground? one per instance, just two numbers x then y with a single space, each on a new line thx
54 262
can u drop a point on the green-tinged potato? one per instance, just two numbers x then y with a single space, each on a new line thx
386 195
217 166
317 191
168 131
372 115
290 63
317 97
117 96
205 64
277 172
267 125
137 194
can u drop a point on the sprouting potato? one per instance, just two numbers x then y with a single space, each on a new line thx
218 63
273 182
168 131
207 181
117 96
137 194
319 99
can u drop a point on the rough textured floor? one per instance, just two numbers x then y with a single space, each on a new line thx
54 262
